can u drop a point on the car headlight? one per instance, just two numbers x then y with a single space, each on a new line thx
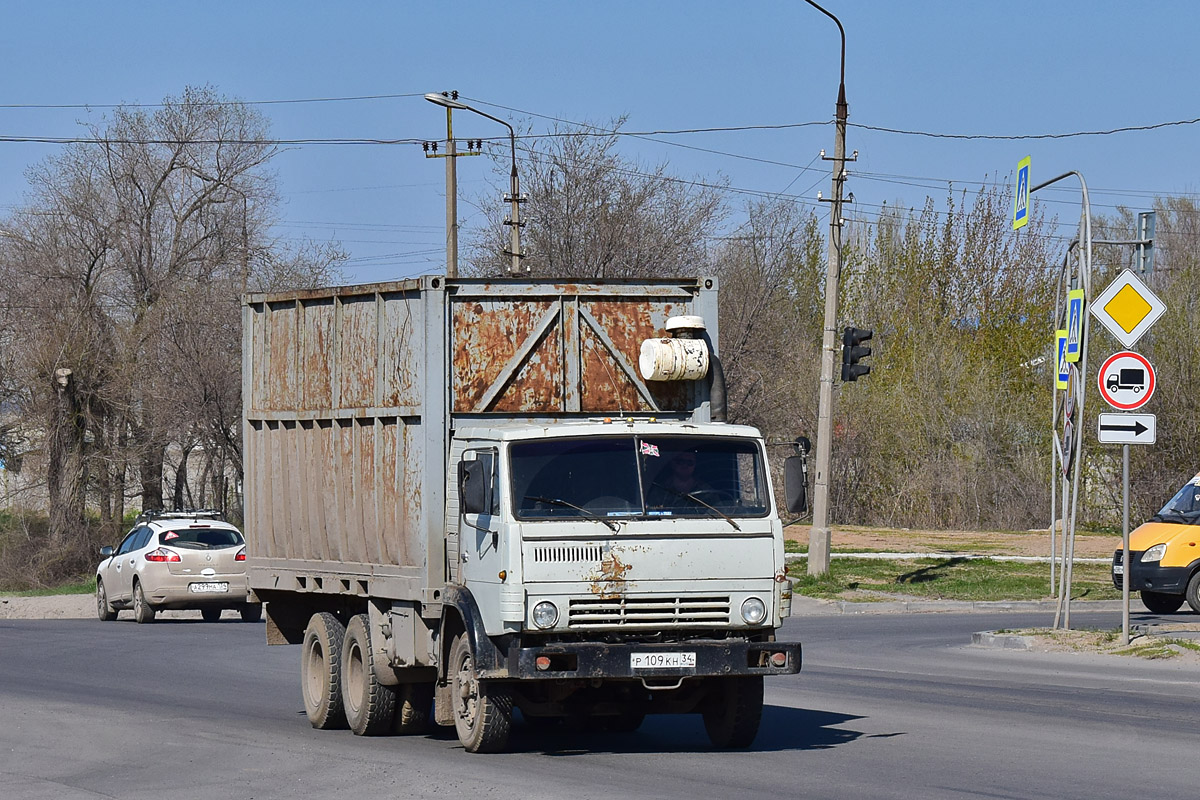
754 611
1154 553
545 614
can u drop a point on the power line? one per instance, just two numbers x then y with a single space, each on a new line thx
1026 136
213 103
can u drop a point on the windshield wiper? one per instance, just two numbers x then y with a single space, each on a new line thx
586 513
691 496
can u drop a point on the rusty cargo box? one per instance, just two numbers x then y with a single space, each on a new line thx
351 395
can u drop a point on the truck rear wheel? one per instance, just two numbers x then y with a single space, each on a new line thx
321 671
413 701
733 711
369 704
1159 603
482 710
1193 593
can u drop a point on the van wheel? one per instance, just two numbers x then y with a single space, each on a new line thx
1193 593
1159 603
482 710
321 671
210 614
369 704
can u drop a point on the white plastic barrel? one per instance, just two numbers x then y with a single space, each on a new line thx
673 359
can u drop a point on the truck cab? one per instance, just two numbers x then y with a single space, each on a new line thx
622 567
1164 555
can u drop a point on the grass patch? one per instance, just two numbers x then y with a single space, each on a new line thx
948 579
83 587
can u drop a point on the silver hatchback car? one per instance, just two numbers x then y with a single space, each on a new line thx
176 560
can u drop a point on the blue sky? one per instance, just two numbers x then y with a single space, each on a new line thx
977 68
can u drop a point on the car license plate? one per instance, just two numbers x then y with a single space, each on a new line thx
209 588
662 660
1118 569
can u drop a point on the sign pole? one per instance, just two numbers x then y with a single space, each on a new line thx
1125 544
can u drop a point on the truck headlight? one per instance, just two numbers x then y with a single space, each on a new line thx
545 614
1154 553
754 611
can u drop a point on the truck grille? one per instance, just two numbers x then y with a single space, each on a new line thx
649 612
564 554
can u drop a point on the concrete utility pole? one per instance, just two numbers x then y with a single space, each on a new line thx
450 101
820 536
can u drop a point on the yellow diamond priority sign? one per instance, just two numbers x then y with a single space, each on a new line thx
1127 308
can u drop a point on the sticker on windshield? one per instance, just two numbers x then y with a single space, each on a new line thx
169 535
652 450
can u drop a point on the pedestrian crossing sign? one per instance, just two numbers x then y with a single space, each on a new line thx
1063 371
1074 324
1021 201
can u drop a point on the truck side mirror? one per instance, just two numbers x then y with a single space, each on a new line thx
795 484
474 493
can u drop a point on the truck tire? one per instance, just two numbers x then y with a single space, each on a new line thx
251 612
482 710
104 609
321 671
1193 592
1159 603
143 612
413 701
210 614
733 711
369 704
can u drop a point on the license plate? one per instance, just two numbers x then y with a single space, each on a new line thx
662 660
1118 569
208 588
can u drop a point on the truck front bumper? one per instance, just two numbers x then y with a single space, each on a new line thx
710 657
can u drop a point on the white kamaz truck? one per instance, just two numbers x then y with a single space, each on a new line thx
466 497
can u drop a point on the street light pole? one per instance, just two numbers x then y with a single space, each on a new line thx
450 101
819 536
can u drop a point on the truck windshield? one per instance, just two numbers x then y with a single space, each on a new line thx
638 477
1184 507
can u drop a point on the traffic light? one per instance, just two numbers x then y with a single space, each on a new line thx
852 351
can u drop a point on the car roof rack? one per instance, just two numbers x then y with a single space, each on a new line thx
191 513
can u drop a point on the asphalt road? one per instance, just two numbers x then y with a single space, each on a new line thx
888 706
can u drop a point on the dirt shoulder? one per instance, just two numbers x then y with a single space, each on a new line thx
999 543
70 606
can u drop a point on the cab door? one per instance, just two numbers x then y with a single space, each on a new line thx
479 526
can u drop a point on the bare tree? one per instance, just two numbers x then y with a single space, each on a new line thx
594 214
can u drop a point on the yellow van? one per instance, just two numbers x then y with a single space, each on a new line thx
1164 555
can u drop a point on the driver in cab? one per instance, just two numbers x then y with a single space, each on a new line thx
676 484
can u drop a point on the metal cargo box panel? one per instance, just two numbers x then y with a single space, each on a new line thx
550 348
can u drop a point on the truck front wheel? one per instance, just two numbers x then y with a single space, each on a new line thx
369 704
482 710
733 711
321 671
